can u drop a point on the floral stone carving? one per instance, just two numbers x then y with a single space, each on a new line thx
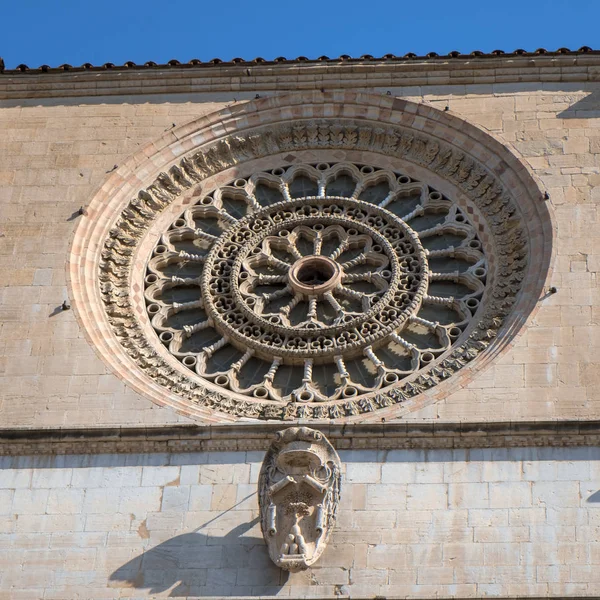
299 493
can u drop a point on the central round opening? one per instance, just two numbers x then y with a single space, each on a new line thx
314 275
315 272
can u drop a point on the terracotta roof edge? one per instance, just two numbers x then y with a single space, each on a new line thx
344 58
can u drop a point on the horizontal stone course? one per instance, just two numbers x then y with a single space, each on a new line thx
245 80
488 440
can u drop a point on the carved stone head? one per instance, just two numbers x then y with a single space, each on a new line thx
299 492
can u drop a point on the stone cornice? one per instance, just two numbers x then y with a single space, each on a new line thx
247 437
244 80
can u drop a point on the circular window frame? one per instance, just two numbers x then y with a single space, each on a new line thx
158 170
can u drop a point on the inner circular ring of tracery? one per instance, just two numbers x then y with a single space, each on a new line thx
478 238
312 282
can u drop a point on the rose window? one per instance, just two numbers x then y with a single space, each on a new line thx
315 282
312 256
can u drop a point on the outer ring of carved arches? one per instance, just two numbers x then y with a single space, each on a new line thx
454 152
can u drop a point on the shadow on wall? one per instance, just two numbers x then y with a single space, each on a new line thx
586 108
595 497
196 564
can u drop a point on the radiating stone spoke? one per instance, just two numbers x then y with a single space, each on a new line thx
285 310
368 352
361 259
418 211
268 379
425 322
440 300
334 304
225 216
273 261
431 231
294 252
342 247
191 329
203 235
210 350
278 294
252 202
364 299
312 309
185 281
445 252
369 277
262 279
453 276
183 306
187 256
236 366
317 244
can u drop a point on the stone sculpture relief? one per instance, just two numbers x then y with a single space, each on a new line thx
298 495
250 323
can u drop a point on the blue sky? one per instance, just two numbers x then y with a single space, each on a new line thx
35 32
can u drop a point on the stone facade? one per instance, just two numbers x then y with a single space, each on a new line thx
508 522
462 519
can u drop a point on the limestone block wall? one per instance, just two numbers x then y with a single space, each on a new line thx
413 523
56 151
53 158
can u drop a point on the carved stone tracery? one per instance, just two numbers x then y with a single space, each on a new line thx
500 280
302 298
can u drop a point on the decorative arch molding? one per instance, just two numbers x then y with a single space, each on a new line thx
125 217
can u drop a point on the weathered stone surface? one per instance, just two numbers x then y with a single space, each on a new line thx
142 539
